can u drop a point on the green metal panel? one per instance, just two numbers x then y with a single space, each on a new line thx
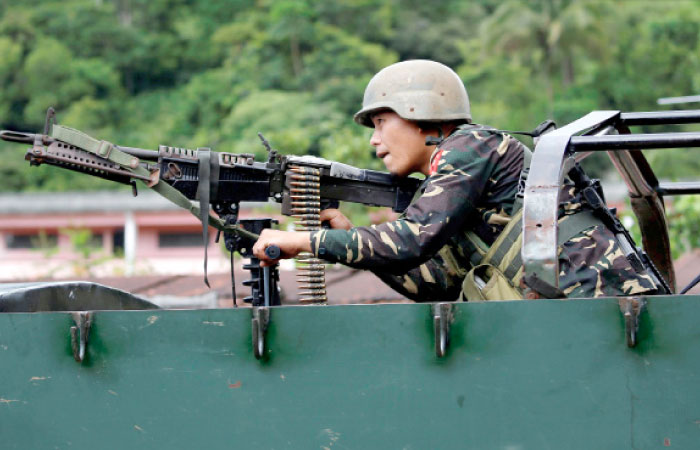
517 375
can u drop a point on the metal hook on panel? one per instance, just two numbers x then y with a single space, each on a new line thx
442 318
79 334
261 318
631 308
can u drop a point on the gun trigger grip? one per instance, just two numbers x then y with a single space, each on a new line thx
329 204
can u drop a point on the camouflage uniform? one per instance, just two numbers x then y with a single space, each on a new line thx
472 186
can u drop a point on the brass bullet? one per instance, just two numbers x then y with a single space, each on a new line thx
316 268
305 170
311 288
305 197
306 210
298 177
312 281
306 216
305 184
305 203
313 300
311 225
313 292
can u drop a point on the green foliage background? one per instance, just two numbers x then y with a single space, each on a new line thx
213 73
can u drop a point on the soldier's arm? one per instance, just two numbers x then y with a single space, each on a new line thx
432 281
447 203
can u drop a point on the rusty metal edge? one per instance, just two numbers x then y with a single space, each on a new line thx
541 201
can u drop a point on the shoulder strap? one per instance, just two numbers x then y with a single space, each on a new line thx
544 127
505 253
505 241
520 196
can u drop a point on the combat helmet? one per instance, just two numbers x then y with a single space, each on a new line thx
419 90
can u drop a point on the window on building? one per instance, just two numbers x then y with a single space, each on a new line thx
179 240
31 241
118 241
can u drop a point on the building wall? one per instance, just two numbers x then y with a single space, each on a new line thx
143 252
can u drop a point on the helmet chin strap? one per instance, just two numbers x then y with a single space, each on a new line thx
432 140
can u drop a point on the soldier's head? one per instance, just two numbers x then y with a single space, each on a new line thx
407 102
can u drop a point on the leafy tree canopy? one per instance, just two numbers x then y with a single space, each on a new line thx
215 72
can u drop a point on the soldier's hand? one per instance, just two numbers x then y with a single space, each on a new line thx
336 219
290 243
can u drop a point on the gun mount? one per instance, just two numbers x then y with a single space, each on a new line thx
555 155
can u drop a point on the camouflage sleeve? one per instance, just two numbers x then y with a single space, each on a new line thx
592 264
432 281
451 193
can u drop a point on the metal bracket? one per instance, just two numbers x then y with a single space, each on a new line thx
50 120
541 196
261 319
442 318
631 308
79 334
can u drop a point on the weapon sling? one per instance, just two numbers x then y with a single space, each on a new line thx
107 150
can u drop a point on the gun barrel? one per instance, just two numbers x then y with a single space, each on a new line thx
148 155
17 136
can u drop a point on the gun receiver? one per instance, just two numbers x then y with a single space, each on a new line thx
241 179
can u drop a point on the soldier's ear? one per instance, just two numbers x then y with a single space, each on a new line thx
426 127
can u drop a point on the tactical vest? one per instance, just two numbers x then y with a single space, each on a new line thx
497 269
497 276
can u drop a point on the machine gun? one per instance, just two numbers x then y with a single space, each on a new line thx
304 185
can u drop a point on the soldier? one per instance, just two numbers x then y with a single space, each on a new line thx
435 250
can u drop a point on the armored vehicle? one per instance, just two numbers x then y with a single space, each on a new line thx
86 366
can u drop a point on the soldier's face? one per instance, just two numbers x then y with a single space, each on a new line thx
400 144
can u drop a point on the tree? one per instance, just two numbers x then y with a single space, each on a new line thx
213 73
549 35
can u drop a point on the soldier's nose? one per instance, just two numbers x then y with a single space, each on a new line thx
374 139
